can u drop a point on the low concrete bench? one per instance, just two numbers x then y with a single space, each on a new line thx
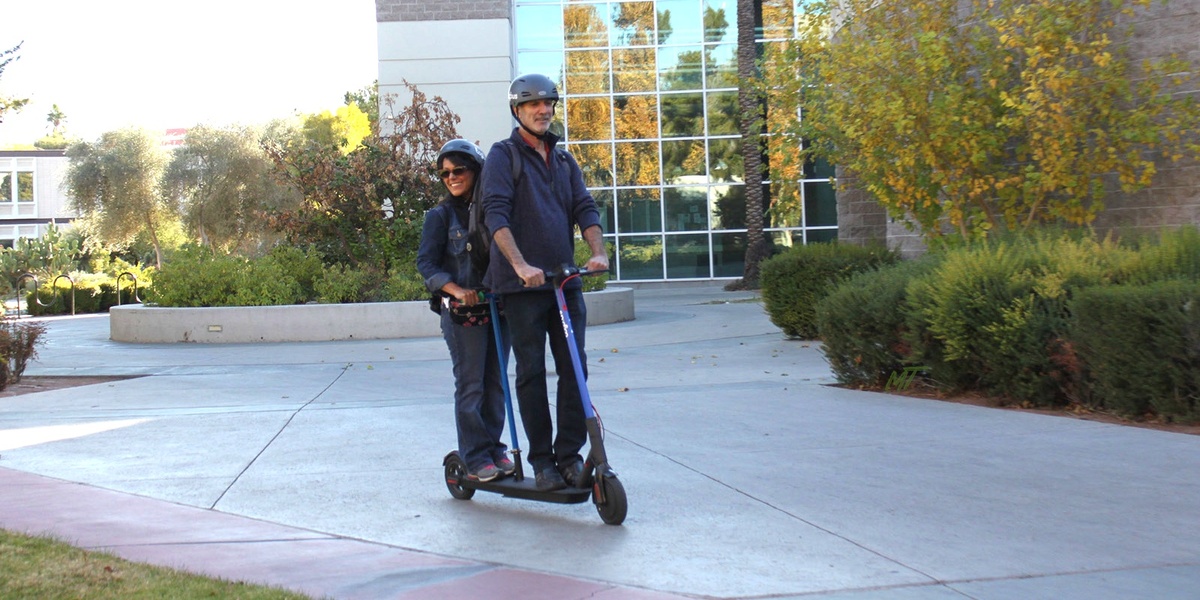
312 322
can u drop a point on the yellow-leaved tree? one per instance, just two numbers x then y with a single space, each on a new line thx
346 128
973 116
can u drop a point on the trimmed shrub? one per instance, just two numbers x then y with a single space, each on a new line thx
304 266
196 277
264 282
862 323
993 317
1047 319
404 283
1140 346
340 283
793 282
1171 254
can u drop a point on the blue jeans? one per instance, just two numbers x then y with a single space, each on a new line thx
478 397
530 316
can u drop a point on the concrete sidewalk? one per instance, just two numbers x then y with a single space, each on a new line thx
317 466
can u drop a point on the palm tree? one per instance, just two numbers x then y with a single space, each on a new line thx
55 118
750 126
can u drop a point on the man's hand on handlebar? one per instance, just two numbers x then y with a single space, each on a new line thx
530 275
597 263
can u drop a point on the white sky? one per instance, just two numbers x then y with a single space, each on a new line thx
162 64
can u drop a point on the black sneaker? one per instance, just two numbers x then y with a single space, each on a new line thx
548 480
572 473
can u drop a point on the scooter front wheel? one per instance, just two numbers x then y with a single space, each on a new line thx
456 472
613 507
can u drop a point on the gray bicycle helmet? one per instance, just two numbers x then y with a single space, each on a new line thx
528 88
461 146
531 87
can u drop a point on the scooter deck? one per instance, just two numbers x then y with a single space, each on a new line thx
526 489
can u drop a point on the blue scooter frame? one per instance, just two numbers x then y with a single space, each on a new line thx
606 491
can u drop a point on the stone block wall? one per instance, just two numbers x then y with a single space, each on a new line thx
1160 30
445 10
860 218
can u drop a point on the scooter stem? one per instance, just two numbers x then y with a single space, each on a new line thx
519 474
588 412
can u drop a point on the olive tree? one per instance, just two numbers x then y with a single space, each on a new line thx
114 184
223 184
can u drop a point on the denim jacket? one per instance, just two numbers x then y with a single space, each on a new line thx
442 256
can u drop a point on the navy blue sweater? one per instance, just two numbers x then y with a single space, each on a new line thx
541 209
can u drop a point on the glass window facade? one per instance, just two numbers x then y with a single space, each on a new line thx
650 112
16 186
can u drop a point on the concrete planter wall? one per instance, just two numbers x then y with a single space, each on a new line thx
312 322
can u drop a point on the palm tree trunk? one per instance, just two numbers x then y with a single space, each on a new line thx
750 126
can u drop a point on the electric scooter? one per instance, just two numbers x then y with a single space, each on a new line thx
598 479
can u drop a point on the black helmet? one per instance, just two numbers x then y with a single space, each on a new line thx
531 87
461 146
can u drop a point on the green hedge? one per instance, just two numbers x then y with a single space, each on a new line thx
286 275
1167 255
339 283
862 323
1140 346
1028 319
196 277
793 282
993 317
306 267
404 283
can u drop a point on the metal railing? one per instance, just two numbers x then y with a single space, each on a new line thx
18 286
36 298
133 279
54 286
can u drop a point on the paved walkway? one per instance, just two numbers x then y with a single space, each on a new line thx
317 467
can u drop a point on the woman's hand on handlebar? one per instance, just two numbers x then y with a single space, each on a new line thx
464 296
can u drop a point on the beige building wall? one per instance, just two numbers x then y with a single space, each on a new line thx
30 219
459 50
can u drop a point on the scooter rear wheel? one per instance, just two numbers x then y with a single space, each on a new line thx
614 507
456 472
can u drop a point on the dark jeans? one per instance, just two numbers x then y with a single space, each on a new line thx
478 397
530 316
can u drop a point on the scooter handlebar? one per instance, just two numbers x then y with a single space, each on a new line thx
566 271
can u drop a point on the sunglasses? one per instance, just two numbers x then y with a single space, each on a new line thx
456 171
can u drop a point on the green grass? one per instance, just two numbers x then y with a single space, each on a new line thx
42 568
